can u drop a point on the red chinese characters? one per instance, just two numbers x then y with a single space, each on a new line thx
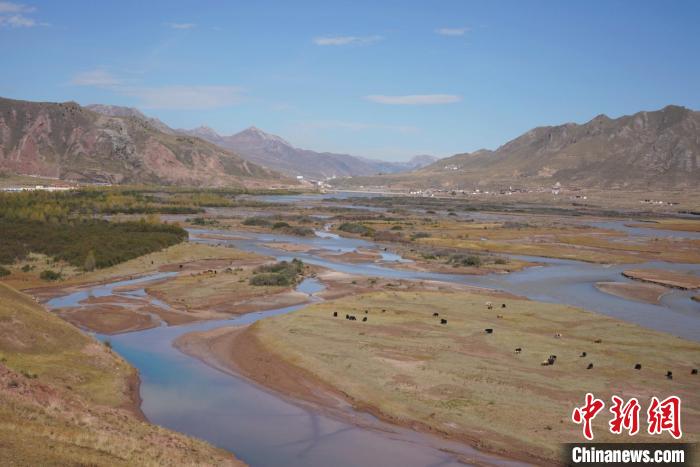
587 413
665 416
624 416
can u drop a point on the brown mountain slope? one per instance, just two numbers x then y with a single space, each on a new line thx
659 149
70 142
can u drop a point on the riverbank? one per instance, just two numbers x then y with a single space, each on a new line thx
67 399
670 279
647 293
455 380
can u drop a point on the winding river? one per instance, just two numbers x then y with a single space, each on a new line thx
265 429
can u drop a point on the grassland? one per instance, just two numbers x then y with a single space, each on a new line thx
440 236
207 294
66 399
458 381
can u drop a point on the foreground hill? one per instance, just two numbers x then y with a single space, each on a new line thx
66 399
274 152
70 142
659 149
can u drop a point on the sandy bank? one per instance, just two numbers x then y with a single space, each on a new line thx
647 293
676 280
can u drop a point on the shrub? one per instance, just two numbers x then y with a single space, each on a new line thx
465 260
418 235
354 227
396 227
4 271
257 221
49 275
280 225
501 261
283 273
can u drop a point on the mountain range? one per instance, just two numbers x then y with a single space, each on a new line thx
276 153
70 142
658 149
268 150
101 143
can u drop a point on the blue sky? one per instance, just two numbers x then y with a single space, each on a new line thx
385 79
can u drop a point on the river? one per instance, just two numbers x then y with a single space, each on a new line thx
265 429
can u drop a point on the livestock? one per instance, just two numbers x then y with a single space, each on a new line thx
694 371
335 314
364 319
436 314
443 321
669 374
638 366
589 367
518 349
583 354
489 330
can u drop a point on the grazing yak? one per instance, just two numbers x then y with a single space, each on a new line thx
518 349
583 354
443 321
335 314
694 371
638 366
436 314
589 367
364 319
669 374
488 330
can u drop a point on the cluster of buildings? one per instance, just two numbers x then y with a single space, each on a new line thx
15 189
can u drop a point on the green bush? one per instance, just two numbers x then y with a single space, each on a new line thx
283 273
4 271
354 227
72 241
280 225
257 221
49 275
465 260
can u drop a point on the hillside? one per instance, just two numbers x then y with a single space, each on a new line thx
659 149
66 399
274 152
70 142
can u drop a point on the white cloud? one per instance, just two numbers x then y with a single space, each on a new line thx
415 99
97 77
14 15
346 40
182 25
451 31
9 7
185 97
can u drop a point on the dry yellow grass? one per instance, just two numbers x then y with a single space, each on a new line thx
208 295
458 380
152 262
544 236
